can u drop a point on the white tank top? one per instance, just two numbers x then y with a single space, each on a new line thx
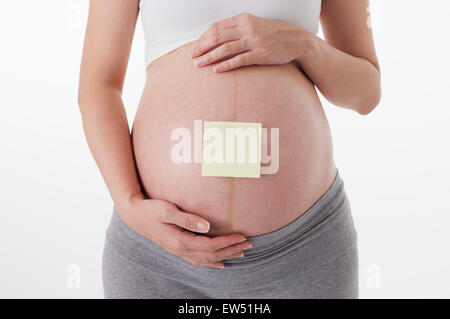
169 24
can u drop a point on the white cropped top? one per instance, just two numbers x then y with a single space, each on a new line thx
169 24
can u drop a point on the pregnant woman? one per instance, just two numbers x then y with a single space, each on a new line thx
177 234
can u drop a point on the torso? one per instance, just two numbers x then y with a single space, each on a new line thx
177 93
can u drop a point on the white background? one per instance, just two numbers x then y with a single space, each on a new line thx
55 207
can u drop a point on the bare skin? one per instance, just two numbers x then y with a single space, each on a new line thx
344 68
278 96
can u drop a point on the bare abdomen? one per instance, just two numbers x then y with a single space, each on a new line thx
177 93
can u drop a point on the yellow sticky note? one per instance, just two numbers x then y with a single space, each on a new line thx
231 149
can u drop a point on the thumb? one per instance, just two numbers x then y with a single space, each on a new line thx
185 220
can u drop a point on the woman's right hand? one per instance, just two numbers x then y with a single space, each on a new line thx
181 233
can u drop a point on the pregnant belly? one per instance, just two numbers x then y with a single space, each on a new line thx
177 93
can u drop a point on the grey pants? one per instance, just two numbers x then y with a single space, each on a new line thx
315 256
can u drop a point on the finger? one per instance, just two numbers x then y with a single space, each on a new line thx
238 255
211 39
188 221
198 242
232 251
220 255
195 262
247 58
225 50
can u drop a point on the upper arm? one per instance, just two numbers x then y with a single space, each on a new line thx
345 27
107 44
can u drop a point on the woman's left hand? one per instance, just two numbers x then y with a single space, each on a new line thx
246 39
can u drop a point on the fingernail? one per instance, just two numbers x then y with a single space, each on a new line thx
202 226
199 62
248 246
242 254
243 239
218 68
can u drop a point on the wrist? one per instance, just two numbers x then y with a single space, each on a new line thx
307 46
126 203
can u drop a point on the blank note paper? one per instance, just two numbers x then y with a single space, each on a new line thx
231 149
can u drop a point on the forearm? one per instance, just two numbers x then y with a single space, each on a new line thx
108 136
344 80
